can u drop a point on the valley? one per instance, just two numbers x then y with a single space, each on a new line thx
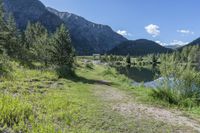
61 73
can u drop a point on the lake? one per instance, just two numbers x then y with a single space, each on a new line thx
139 74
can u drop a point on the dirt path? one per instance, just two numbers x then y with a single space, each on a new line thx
124 104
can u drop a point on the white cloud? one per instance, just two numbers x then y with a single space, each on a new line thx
185 32
153 30
177 42
124 33
161 43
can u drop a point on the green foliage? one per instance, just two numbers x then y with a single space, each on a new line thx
104 58
37 43
3 30
14 114
12 38
154 59
187 54
182 81
89 65
65 71
39 46
34 44
110 71
6 66
128 59
8 34
167 95
63 52
140 59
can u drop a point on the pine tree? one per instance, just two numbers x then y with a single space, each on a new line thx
12 36
36 40
3 32
28 36
63 51
44 48
128 59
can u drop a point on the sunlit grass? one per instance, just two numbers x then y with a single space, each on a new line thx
35 100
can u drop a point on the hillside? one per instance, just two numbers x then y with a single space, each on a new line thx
46 88
26 11
193 43
139 48
89 37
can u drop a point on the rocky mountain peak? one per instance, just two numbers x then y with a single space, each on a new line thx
100 38
87 37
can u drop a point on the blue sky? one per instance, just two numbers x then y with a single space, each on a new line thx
164 21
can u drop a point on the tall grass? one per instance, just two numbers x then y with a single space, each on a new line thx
181 86
14 114
120 80
6 66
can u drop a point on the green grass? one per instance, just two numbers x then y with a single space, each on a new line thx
38 101
149 96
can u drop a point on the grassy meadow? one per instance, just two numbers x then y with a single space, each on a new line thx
37 100
45 87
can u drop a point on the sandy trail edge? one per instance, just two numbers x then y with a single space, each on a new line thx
124 104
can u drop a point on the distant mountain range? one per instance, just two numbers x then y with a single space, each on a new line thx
173 46
193 43
100 38
139 48
87 37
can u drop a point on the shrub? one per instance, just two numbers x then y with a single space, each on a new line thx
167 95
65 71
182 84
128 59
110 71
89 65
5 66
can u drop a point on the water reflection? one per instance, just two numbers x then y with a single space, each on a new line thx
139 74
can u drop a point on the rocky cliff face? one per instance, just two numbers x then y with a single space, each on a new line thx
100 38
33 11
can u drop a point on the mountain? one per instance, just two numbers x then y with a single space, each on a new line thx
173 46
139 48
33 11
87 36
193 43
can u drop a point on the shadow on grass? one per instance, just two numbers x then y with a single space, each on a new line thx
76 78
71 75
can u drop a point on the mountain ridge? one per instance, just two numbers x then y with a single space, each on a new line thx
195 42
31 11
87 37
139 47
100 37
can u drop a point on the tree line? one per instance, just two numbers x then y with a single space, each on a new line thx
35 43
